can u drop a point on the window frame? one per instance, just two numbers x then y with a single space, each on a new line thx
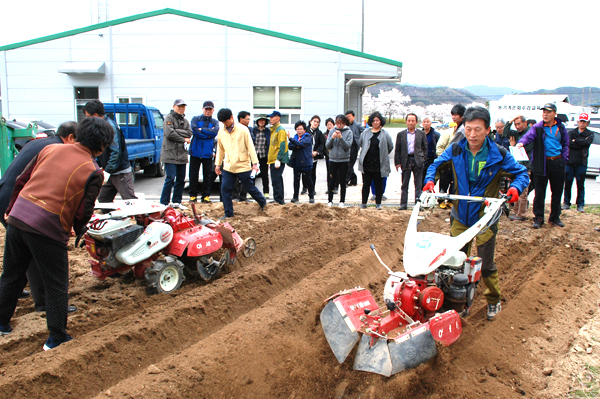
290 113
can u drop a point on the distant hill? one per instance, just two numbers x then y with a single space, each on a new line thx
425 96
576 94
491 93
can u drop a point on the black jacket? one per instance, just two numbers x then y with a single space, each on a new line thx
579 146
318 143
115 157
17 166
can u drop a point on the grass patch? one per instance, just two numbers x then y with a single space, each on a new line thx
594 209
588 383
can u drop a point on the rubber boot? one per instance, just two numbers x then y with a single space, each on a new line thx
492 293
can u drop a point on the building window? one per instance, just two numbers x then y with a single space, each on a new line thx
121 118
130 100
82 96
285 99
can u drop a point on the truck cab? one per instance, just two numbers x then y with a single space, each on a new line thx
142 127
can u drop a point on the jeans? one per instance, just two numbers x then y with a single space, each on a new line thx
277 181
228 180
175 177
384 184
555 173
575 172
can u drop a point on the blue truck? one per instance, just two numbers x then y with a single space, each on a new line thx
142 127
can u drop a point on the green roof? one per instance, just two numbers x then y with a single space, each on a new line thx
205 19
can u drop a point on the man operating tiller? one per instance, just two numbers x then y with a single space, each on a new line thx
477 166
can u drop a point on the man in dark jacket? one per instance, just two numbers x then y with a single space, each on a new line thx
65 135
513 136
580 140
550 153
410 156
477 165
40 219
432 138
357 129
173 154
204 129
114 160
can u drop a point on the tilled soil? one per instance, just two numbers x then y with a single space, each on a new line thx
254 332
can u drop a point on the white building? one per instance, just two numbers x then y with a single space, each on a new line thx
159 56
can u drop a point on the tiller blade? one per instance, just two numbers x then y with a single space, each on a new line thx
386 347
340 336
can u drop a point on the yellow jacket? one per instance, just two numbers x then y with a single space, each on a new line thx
278 149
235 150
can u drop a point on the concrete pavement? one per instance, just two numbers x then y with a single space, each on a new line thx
152 187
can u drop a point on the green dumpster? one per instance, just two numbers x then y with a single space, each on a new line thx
13 135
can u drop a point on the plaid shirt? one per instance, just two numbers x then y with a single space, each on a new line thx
261 144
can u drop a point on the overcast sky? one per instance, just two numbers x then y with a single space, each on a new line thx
525 44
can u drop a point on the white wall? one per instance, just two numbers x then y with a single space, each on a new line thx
168 57
333 21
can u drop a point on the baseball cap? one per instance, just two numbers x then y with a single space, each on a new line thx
549 107
208 104
274 113
584 117
179 102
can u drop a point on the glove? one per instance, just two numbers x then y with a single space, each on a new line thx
513 195
277 164
430 187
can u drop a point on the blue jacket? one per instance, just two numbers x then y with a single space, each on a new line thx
537 135
499 164
301 152
204 130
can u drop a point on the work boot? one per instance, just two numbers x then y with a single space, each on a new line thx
537 223
556 222
206 200
193 199
493 310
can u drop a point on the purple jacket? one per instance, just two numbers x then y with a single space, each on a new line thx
537 134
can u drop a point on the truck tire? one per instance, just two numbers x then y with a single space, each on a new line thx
160 169
157 170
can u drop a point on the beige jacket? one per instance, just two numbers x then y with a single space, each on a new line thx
235 150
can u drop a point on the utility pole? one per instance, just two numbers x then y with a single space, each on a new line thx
362 34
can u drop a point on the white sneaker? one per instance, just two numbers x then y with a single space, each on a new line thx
330 204
175 205
341 205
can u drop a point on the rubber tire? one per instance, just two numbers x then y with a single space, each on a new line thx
165 270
